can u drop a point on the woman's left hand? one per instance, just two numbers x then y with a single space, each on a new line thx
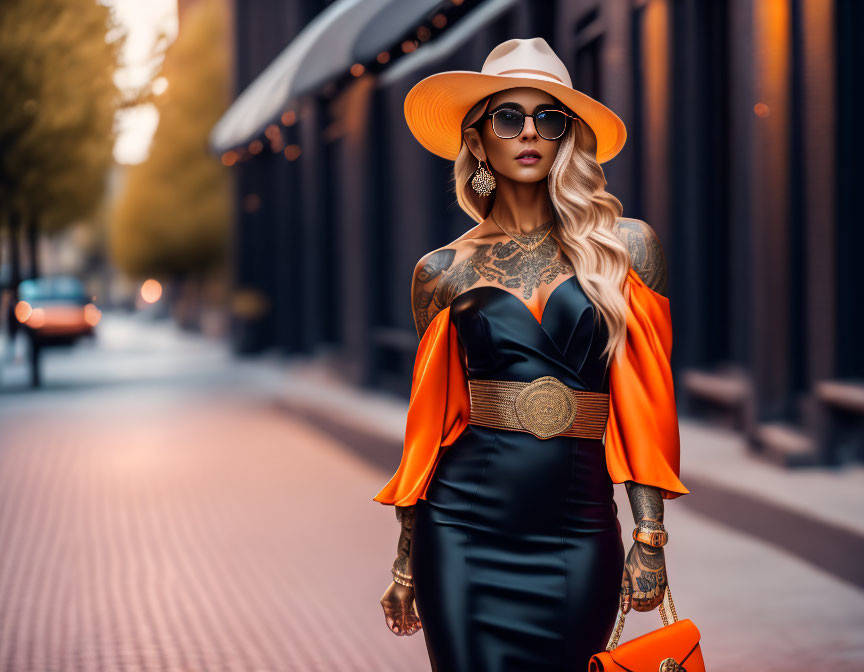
644 580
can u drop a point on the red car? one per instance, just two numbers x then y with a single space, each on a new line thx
56 310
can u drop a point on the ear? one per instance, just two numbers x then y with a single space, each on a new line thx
475 144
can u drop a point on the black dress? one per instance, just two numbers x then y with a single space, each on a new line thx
517 554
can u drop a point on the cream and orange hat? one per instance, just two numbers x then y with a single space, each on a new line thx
436 106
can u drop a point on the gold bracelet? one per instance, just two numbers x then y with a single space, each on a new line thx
656 538
401 578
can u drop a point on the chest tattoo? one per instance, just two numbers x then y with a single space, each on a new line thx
508 265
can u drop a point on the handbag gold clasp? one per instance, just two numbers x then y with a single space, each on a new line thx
671 665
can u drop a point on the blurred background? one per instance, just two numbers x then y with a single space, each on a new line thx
210 211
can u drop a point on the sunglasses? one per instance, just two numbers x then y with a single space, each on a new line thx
508 123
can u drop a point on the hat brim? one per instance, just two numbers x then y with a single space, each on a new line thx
436 105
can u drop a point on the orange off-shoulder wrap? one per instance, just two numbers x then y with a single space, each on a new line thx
641 441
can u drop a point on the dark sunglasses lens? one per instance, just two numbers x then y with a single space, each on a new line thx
507 123
550 124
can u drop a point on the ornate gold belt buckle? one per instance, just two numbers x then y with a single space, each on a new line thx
545 407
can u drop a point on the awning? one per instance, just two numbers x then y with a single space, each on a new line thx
449 41
391 24
320 52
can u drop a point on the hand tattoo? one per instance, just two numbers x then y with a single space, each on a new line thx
644 579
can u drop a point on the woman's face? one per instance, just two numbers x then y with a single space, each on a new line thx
503 155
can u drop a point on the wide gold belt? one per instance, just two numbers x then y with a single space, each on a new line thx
545 407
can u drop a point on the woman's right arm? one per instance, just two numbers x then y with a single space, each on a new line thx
425 305
405 516
398 599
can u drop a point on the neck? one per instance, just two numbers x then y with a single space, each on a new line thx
523 208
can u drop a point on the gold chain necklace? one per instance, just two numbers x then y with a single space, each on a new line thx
529 248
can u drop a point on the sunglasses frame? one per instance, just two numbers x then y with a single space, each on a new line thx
491 115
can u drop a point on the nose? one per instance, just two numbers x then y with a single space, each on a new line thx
528 129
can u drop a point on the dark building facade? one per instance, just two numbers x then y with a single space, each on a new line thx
742 140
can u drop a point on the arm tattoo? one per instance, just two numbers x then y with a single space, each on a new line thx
427 276
646 503
646 253
405 516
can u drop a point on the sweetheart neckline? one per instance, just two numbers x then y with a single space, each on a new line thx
524 305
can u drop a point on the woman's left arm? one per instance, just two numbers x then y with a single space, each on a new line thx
644 579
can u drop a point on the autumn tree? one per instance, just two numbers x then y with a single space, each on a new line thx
57 64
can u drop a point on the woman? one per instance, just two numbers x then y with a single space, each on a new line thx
542 378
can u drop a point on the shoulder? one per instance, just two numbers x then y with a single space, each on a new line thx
646 252
432 281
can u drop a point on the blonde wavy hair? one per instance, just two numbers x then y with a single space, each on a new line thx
585 215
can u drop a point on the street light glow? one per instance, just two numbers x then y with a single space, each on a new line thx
151 290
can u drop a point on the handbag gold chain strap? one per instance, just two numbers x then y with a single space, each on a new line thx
619 623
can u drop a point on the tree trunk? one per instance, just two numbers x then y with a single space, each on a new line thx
33 247
35 362
15 271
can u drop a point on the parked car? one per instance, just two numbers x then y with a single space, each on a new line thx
56 310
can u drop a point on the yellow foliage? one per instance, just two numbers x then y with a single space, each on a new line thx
59 99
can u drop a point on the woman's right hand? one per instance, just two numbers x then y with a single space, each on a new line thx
398 605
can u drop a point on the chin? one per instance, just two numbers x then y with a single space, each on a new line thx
529 174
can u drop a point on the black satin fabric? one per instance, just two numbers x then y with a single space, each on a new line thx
517 554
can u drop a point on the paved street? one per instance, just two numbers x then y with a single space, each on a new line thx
159 510
162 515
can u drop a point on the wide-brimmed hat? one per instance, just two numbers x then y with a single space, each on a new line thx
436 106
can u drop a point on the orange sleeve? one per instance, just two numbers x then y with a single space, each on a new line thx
642 441
438 412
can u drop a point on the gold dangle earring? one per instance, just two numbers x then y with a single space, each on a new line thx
483 181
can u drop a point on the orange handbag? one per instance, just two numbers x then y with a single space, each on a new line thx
672 648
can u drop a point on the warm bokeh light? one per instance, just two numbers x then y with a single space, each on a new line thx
160 85
383 57
761 110
23 311
249 304
439 20
229 158
292 152
255 147
272 132
92 314
252 203
37 318
423 33
408 46
151 290
289 117
357 69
